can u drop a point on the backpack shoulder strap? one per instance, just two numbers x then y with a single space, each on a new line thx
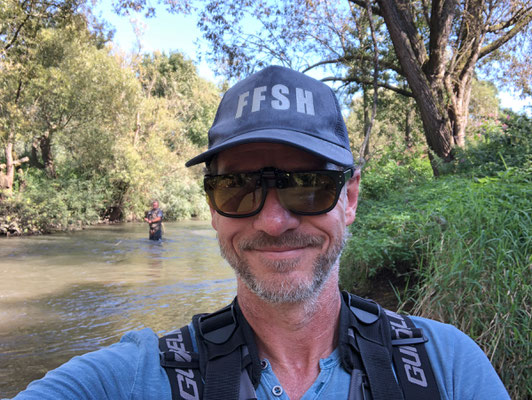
383 337
411 360
181 364
222 356
372 340
223 367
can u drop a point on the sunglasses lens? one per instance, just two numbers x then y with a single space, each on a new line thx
308 192
235 194
242 194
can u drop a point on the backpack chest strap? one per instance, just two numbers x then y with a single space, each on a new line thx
221 342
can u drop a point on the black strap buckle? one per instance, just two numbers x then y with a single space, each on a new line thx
366 310
218 327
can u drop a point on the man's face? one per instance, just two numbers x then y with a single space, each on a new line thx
155 204
280 256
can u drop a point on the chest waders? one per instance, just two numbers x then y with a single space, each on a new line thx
225 364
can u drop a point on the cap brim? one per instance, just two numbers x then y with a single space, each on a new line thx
317 146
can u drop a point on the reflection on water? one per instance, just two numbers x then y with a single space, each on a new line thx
66 294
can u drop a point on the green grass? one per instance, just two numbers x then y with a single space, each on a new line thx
465 247
477 274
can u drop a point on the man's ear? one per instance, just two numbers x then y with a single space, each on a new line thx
352 187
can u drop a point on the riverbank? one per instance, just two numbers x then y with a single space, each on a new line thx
44 206
12 226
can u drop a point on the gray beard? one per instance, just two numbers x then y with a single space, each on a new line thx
286 291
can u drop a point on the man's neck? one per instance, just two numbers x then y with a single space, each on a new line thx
294 337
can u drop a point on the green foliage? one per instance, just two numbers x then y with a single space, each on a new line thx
21 27
113 134
496 144
155 172
392 171
80 94
396 125
189 101
44 205
484 101
386 233
463 242
476 273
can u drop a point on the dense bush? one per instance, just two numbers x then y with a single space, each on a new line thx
495 144
43 205
390 233
108 149
475 272
392 171
157 173
76 198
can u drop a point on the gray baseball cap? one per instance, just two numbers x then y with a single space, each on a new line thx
280 105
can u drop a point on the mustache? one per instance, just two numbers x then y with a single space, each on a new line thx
293 239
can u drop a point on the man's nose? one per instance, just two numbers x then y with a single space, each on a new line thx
274 219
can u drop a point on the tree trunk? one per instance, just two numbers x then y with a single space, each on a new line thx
429 91
409 115
458 108
47 156
137 130
6 181
365 144
458 117
34 156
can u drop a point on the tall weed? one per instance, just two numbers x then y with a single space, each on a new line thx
495 145
477 274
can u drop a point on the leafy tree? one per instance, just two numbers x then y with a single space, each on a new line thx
190 101
484 101
438 49
78 92
436 46
109 133
172 119
20 24
397 126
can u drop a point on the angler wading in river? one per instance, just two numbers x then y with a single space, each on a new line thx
154 218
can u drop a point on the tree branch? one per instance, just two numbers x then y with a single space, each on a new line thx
16 163
505 38
17 32
346 60
369 126
362 3
360 81
441 19
521 13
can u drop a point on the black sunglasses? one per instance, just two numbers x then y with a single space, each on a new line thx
240 195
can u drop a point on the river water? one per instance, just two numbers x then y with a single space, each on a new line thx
67 294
